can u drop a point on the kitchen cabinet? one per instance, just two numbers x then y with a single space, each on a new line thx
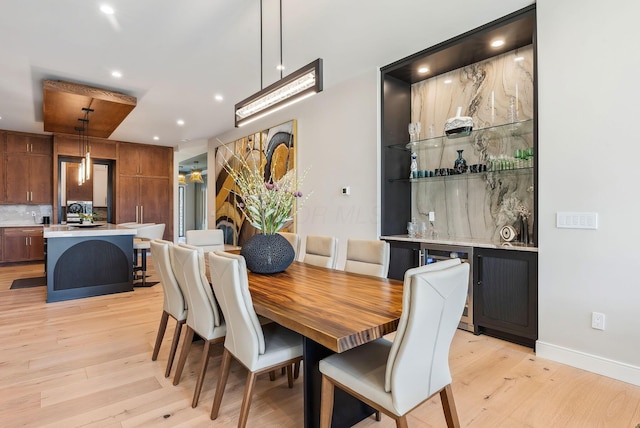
22 244
28 169
403 256
32 144
145 200
144 185
505 295
75 190
144 160
70 145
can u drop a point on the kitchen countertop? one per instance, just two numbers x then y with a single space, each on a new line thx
102 229
21 224
466 242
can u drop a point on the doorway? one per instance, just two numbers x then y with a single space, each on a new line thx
192 194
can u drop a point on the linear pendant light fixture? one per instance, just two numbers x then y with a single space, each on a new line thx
288 90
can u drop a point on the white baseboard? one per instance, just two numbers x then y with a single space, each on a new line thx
593 363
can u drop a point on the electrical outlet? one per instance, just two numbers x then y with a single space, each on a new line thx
597 320
33 213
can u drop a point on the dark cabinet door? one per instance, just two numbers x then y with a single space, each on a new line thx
403 256
505 296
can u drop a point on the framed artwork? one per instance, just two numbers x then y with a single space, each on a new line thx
274 150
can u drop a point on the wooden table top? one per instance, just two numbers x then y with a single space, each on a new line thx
339 310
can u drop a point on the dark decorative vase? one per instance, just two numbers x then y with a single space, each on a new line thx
460 165
524 230
267 253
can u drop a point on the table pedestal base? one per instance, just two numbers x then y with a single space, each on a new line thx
347 410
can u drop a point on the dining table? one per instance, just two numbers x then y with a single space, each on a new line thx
334 311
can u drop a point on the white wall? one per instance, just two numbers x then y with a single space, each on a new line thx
588 83
588 151
338 144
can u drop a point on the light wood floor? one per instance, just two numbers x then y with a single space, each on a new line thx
87 363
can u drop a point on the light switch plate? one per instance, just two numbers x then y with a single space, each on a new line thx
576 220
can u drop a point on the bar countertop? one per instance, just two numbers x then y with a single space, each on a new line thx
466 242
90 229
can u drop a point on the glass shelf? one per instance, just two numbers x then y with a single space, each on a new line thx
515 129
466 176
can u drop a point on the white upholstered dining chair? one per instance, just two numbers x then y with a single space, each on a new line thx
397 377
321 251
294 240
259 348
174 305
208 240
203 316
367 257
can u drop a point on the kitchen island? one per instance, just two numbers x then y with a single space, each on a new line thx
85 260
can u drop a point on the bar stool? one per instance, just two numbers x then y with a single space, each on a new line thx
141 244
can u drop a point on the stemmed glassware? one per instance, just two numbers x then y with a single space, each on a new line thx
414 131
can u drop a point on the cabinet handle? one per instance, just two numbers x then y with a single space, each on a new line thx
29 241
26 241
141 214
27 196
31 147
31 196
27 146
137 214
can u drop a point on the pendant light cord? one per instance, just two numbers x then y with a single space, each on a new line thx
261 84
281 63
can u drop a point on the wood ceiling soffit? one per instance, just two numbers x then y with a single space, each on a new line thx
63 102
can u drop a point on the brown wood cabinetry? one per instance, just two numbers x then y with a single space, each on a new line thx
76 191
21 244
29 143
144 189
28 169
144 160
70 145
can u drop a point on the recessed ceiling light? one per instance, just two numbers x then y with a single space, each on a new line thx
280 67
116 74
497 43
156 138
519 58
180 122
447 81
423 70
106 9
218 97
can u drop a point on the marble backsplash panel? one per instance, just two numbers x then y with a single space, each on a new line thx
22 215
494 92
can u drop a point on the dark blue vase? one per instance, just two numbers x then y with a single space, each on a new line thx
460 165
267 253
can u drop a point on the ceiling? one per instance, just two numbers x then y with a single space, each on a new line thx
175 56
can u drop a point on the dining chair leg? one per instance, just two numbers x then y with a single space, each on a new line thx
206 350
161 329
246 399
296 369
449 407
186 345
174 347
272 375
326 402
378 416
290 376
401 422
225 365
